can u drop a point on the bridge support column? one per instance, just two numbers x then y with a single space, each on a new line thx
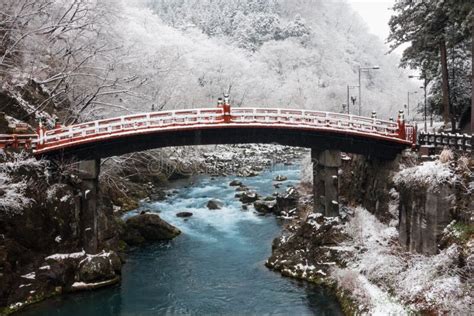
325 181
89 172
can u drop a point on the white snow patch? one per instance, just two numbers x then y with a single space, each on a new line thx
381 303
30 276
430 173
62 256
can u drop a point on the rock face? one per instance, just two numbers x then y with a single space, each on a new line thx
49 223
423 217
368 182
215 204
148 227
184 214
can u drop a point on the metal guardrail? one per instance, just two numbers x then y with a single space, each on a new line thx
462 142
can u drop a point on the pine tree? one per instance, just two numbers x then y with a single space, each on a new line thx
437 32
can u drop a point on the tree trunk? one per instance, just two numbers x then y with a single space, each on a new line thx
444 71
472 81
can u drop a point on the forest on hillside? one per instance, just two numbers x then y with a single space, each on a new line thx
102 58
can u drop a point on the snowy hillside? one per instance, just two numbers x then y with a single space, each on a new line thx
149 54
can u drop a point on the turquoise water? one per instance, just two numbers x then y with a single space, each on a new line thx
215 267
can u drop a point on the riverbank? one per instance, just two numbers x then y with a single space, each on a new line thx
28 277
360 256
216 266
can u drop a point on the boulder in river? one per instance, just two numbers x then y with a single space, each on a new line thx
235 183
148 227
248 197
184 214
241 188
215 204
264 206
287 200
247 172
280 178
100 267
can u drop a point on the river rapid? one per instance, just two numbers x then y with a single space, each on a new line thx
216 266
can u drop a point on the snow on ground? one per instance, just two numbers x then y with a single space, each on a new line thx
430 283
430 173
381 302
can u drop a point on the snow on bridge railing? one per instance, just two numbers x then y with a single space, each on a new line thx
461 142
146 122
26 141
137 123
315 119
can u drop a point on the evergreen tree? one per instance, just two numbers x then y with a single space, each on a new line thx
437 32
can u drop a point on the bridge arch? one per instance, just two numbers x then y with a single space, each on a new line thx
298 128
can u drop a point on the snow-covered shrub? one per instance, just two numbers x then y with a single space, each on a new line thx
348 280
432 283
446 155
12 184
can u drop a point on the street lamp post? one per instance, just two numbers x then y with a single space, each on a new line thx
360 86
425 114
408 101
348 95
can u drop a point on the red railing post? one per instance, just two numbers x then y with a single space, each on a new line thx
414 135
40 131
402 133
226 107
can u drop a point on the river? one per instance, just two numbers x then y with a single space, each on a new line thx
216 266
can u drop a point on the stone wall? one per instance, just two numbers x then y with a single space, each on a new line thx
424 214
368 182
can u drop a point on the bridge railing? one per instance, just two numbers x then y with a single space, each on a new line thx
133 122
461 142
315 118
141 123
24 141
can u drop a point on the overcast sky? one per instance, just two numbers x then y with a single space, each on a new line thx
376 13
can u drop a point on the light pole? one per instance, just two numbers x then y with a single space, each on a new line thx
425 84
408 101
348 94
360 87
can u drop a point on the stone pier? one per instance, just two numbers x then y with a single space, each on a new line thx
326 165
89 171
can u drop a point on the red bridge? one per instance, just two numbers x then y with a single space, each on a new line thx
221 125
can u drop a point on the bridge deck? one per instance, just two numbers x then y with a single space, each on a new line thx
209 121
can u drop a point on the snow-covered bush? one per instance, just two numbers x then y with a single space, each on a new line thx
431 283
12 184
348 280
